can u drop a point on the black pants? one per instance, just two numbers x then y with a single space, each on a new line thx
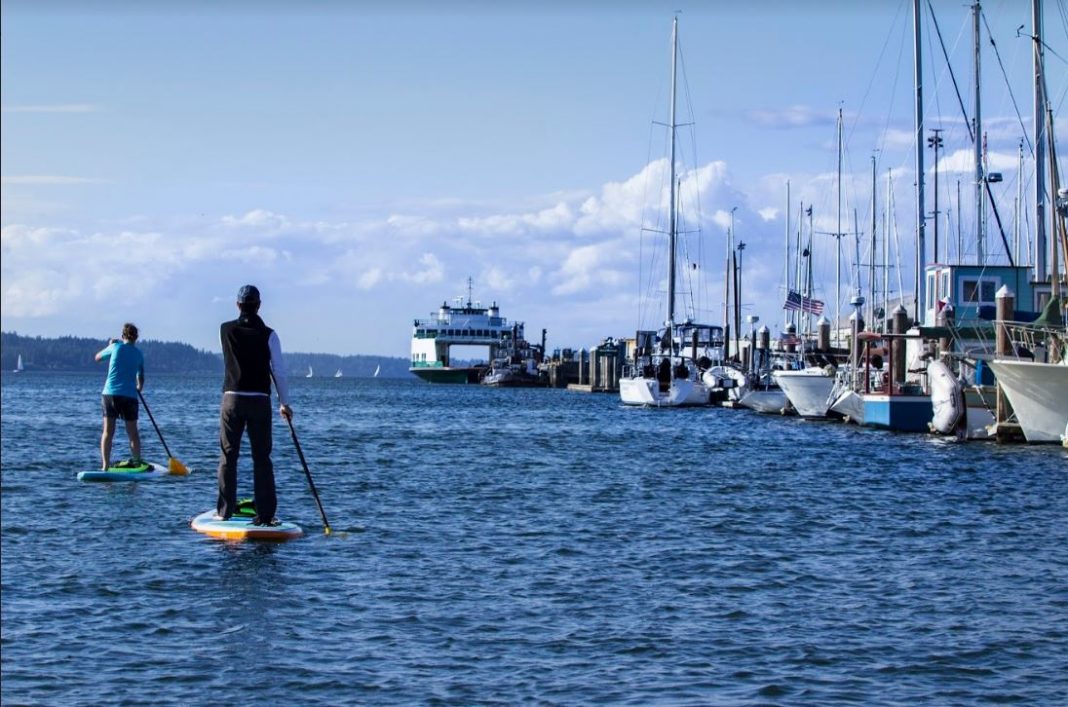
238 413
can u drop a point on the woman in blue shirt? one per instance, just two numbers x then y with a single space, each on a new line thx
126 378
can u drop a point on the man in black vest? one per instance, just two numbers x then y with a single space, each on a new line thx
252 356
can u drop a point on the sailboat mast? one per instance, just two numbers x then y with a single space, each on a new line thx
921 226
980 236
838 236
889 221
796 314
786 256
1037 60
671 200
885 248
808 268
1018 206
871 252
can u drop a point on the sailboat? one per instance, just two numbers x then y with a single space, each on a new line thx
310 373
1037 388
18 365
338 374
1035 377
667 366
810 389
378 369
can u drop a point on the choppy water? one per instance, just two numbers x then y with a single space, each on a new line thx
530 546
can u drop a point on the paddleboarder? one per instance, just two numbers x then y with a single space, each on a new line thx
126 378
252 356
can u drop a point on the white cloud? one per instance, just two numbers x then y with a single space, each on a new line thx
257 218
795 116
588 266
963 162
497 279
369 278
580 248
431 272
251 254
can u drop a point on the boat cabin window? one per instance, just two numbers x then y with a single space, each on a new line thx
978 290
1042 297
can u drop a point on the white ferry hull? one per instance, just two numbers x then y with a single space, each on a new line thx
1038 393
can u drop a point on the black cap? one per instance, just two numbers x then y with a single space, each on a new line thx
248 294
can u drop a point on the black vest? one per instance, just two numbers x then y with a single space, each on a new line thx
246 355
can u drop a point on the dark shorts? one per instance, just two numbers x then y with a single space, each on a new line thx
119 406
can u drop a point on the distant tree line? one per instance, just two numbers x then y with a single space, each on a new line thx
70 353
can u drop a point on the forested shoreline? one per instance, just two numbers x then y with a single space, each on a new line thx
72 354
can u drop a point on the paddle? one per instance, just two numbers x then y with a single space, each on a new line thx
307 473
303 463
174 466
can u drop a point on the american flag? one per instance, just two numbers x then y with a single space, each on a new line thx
796 302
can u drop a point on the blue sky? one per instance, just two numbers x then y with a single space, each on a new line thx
359 161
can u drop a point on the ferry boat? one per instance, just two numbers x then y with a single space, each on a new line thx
464 324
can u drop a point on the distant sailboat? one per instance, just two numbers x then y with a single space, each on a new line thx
19 369
338 374
377 369
310 372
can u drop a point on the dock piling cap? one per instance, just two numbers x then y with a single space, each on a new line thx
1004 292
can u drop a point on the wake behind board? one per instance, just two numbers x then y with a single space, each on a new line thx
125 471
240 527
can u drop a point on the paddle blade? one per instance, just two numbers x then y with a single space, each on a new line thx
176 467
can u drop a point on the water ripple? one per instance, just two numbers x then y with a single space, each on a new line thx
531 547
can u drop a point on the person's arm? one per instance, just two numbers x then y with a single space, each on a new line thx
141 374
106 351
278 371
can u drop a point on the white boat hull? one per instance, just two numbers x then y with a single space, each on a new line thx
646 392
770 401
850 405
808 390
1038 393
728 378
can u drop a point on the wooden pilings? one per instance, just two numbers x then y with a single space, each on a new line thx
1005 308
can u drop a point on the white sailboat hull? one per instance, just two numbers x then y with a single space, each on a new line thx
807 390
646 392
770 401
1038 393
